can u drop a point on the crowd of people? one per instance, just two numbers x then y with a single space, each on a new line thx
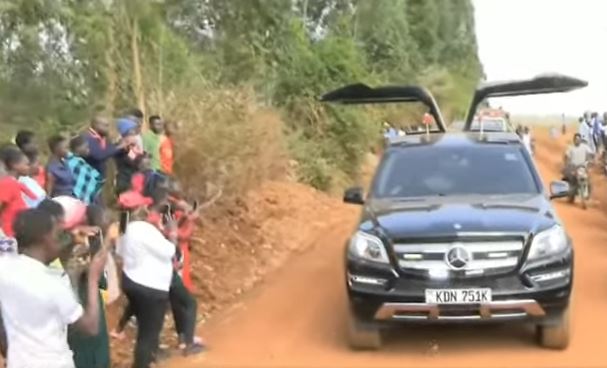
68 248
593 130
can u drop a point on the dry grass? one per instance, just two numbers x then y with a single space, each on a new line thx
224 138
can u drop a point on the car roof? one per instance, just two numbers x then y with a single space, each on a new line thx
465 138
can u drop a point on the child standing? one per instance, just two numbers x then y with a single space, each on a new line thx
11 190
32 184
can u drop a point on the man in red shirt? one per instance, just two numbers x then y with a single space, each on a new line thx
11 199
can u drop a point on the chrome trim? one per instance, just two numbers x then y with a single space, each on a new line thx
474 247
493 234
481 264
485 255
486 311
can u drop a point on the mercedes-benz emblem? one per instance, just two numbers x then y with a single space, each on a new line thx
458 257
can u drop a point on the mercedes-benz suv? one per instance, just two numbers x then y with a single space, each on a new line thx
457 227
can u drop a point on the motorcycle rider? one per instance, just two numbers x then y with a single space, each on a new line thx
578 154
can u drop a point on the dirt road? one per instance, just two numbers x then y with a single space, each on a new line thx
297 317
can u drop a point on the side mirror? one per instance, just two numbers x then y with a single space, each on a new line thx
354 196
559 189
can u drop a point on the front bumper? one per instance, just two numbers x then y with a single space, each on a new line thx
380 293
496 310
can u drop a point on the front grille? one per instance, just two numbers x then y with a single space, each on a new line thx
484 257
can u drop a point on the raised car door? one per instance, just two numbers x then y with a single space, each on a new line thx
547 83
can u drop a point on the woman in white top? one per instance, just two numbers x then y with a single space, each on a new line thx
147 270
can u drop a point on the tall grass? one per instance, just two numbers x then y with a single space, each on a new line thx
222 137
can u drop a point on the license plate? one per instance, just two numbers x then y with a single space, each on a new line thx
458 296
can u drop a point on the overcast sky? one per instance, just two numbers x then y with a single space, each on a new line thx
522 38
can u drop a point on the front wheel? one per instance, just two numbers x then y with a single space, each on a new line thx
555 336
362 336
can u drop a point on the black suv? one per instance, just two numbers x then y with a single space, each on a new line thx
456 227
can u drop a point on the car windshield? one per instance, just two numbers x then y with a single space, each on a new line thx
442 171
490 124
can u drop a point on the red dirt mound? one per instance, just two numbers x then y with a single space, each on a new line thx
237 246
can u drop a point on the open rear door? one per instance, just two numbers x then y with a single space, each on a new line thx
359 93
548 83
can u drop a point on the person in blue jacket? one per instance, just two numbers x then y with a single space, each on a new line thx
100 148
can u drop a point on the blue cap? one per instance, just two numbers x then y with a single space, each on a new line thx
125 125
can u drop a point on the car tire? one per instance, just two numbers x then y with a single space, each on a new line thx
362 336
555 336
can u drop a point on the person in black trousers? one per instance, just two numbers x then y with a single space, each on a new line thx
184 308
147 274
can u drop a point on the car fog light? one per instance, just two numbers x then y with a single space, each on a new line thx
366 280
543 277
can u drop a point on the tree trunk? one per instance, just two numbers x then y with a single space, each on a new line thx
139 93
110 72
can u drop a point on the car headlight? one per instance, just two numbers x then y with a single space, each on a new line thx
369 247
548 242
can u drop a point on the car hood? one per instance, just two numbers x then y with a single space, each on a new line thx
452 216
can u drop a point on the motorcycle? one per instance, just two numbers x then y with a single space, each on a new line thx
580 186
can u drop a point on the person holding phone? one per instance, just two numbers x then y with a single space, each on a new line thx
93 351
37 306
147 272
183 304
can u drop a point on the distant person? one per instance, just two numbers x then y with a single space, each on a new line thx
26 141
136 115
519 131
167 154
597 130
32 184
37 306
585 131
528 140
127 160
59 178
100 148
87 181
152 140
427 120
389 131
12 203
